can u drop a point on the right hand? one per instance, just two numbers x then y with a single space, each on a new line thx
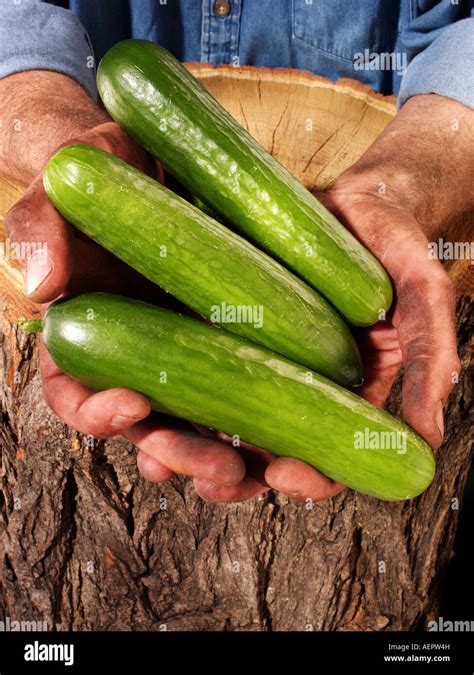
75 264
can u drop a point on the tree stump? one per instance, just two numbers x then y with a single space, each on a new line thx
86 544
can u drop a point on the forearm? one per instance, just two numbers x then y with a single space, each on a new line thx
424 160
40 110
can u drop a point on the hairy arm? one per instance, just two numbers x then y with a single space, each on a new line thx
423 162
39 111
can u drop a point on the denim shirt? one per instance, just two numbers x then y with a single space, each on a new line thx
402 47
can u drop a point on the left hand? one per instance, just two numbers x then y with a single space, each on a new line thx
409 184
419 332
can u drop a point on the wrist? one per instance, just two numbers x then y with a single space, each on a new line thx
41 110
422 163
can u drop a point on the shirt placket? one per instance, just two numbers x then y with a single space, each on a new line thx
220 31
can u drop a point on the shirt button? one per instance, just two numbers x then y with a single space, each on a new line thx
222 8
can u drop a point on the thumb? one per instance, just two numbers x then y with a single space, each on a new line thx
424 305
43 240
426 329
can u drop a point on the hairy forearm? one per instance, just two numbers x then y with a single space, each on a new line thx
423 161
40 110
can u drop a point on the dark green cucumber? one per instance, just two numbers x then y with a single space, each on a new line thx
203 207
199 261
205 375
163 107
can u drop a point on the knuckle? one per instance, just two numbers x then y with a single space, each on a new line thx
17 220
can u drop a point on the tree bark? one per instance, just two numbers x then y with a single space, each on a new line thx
86 544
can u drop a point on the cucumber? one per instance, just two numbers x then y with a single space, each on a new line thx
163 107
202 263
203 374
203 207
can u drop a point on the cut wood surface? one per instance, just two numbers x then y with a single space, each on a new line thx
87 544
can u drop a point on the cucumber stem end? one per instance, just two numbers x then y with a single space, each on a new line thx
31 325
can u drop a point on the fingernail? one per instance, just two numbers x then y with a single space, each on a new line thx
440 419
38 267
123 421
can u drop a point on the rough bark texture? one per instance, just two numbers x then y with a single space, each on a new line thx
87 544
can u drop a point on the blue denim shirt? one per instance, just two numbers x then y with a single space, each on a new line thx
403 47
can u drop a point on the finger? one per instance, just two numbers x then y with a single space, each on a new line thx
427 334
299 480
44 240
255 459
382 336
151 469
382 359
248 488
187 453
378 382
102 414
113 139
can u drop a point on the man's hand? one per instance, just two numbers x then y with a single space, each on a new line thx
55 111
412 181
